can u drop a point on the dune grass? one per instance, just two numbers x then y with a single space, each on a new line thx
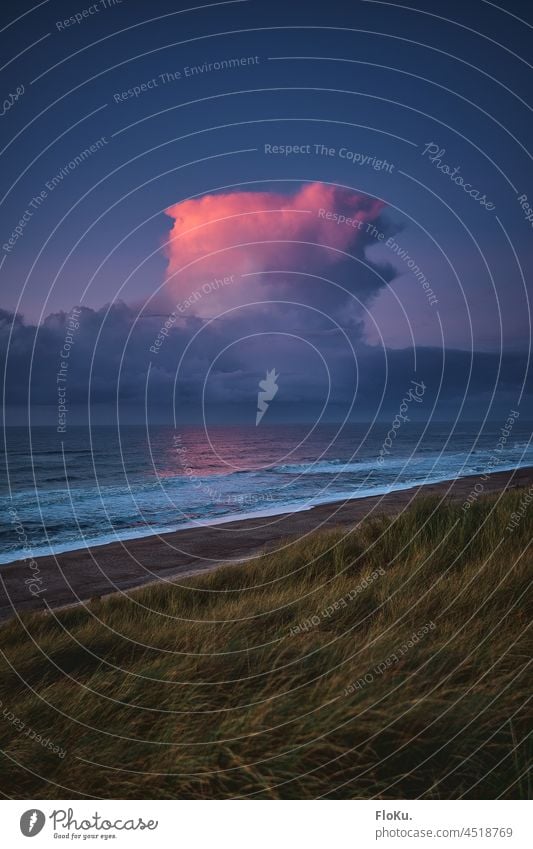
257 680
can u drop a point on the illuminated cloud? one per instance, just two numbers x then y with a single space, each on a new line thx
248 232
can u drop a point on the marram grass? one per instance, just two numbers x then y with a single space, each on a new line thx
389 662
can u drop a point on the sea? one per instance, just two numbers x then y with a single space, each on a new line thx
61 492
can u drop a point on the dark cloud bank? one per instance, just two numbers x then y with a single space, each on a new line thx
209 366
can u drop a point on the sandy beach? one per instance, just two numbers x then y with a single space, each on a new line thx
75 577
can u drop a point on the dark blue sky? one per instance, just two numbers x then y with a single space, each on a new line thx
368 82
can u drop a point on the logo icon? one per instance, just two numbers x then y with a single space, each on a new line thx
267 391
32 822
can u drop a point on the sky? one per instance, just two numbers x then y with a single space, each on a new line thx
338 191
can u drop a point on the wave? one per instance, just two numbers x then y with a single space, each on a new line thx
335 467
90 510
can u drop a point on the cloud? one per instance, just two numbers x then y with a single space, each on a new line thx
110 363
249 233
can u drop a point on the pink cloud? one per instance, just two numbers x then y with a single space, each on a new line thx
240 232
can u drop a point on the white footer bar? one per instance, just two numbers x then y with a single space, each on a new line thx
254 824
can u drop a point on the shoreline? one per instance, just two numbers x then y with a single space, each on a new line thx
149 532
76 576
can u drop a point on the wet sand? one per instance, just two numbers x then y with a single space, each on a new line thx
77 576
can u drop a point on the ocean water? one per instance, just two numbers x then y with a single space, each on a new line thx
65 491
